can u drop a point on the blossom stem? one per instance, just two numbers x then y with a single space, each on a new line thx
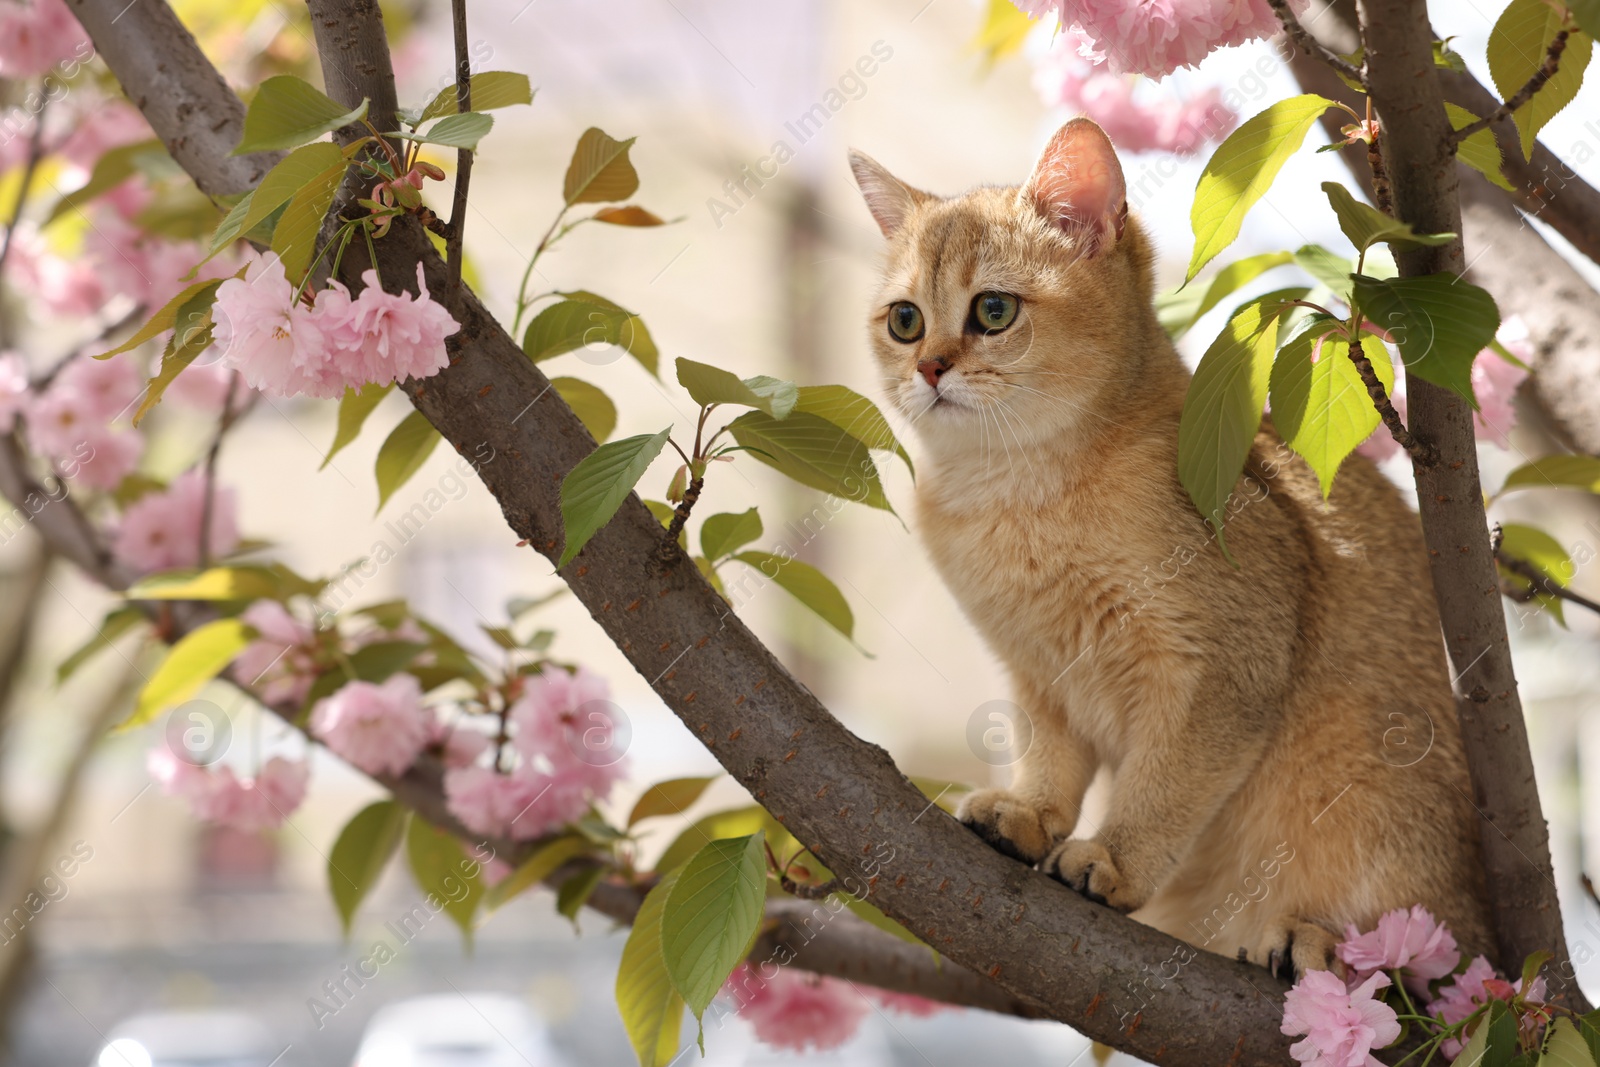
346 230
372 253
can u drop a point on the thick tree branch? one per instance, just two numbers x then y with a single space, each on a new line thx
1420 153
1122 983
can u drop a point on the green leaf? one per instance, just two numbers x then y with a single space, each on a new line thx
302 167
112 169
287 111
441 867
1439 322
1540 550
728 531
1366 226
491 89
354 407
403 453
711 915
1225 283
854 414
117 622
652 1010
361 853
814 452
1516 51
1589 1029
713 385
455 131
671 797
1565 1047
295 236
188 666
1548 472
247 582
1586 13
1480 151
590 404
545 861
575 891
593 491
1322 408
600 170
1222 410
163 320
1242 169
191 335
806 584
572 324
736 822
635 338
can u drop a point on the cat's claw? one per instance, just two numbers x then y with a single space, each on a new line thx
1086 868
1006 823
1289 948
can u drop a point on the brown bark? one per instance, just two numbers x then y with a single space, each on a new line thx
1416 141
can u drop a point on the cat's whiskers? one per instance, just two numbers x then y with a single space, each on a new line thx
1003 411
1069 403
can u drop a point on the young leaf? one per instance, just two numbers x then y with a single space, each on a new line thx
1222 411
572 324
710 916
361 853
403 453
1548 472
1516 51
191 335
590 404
1242 169
1565 1047
287 111
728 531
814 452
1319 403
1586 13
545 861
671 797
188 666
628 215
116 623
455 131
1228 280
162 320
652 1010
600 170
1328 268
1542 552
110 170
354 407
1366 226
295 236
736 822
575 892
218 583
593 491
635 338
491 89
1439 322
1480 151
713 385
806 584
854 414
304 166
442 870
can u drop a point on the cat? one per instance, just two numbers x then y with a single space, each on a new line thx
1280 734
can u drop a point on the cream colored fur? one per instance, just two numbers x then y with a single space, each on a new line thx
1281 737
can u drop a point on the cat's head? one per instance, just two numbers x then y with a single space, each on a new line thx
1013 311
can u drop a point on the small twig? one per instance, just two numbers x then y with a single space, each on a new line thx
1422 453
29 169
681 515
207 504
1546 71
821 891
456 230
1313 47
1382 194
1539 583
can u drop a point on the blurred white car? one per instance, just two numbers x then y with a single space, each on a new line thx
457 1030
189 1039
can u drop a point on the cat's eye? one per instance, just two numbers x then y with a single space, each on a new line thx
905 321
993 312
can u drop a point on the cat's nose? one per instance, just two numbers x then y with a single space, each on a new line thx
931 369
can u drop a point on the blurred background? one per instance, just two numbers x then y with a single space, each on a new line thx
164 914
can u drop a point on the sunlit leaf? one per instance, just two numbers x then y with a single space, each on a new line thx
1480 151
1319 403
1542 552
711 915
286 112
188 666
672 797
295 236
600 170
1225 283
1548 472
1516 51
490 89
1439 322
652 1010
163 320
713 385
854 414
728 532
1366 226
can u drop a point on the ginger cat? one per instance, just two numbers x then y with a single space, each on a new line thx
1281 736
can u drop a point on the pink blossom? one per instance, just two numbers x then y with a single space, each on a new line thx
1341 1025
276 343
161 530
146 268
204 387
459 745
1155 37
68 288
909 1003
794 1010
34 37
516 805
1411 941
386 337
495 871
108 386
551 716
106 125
104 457
279 665
59 421
13 389
380 728
217 795
1473 988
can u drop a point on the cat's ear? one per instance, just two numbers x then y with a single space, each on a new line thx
1077 185
888 198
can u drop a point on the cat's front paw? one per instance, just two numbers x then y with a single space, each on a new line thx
1009 824
1086 867
1289 947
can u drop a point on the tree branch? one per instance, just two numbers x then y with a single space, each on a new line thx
1421 452
1546 71
1539 583
1417 145
1038 941
1313 47
458 210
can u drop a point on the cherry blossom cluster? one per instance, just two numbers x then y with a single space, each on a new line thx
795 1010
1341 1020
323 344
217 795
1156 37
36 36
